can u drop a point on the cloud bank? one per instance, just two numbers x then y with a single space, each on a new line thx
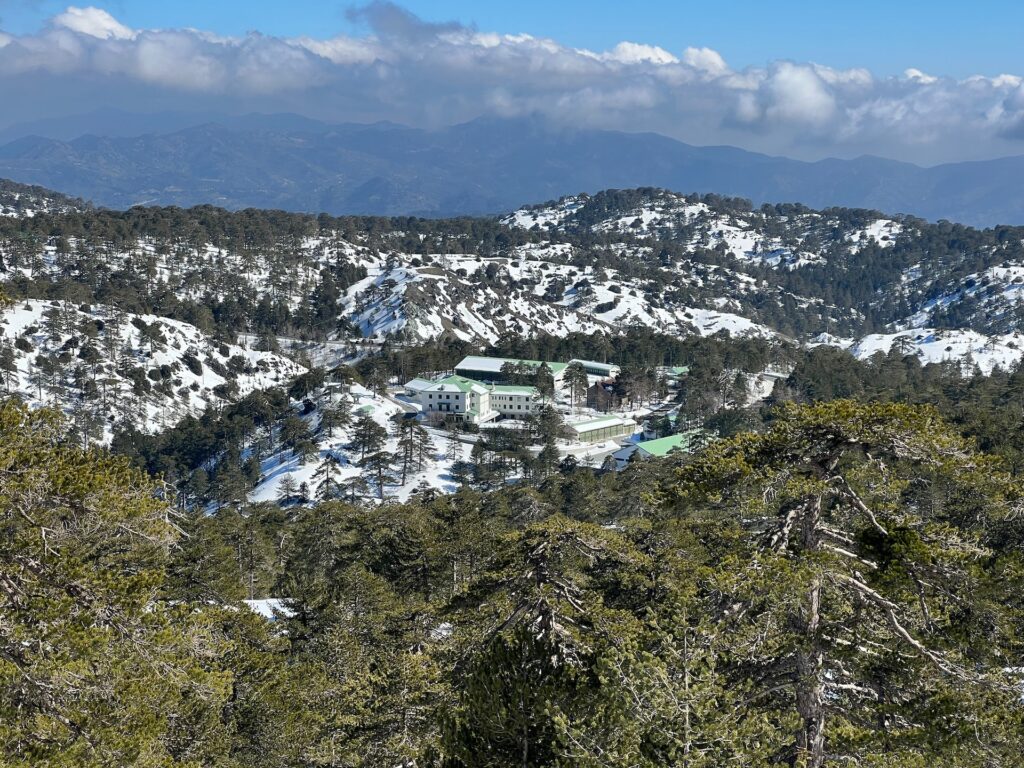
407 70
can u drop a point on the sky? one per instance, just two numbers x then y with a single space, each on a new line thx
926 82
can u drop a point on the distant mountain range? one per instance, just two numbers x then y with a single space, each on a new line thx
482 167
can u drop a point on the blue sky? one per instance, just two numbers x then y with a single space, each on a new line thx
923 82
954 38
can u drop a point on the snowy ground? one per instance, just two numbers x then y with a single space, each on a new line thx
97 350
967 348
434 474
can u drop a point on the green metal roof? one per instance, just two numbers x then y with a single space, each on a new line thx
663 445
679 370
470 362
460 383
510 389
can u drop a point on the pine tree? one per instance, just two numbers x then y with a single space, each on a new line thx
294 431
576 381
326 479
414 445
531 694
333 416
287 489
453 448
379 468
856 594
8 365
86 638
367 436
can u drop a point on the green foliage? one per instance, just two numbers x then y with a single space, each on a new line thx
860 595
849 578
94 668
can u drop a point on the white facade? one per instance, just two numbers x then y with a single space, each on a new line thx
470 400
515 402
459 397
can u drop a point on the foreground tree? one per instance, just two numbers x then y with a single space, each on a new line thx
858 605
94 668
561 672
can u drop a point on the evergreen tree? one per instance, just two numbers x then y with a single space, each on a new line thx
576 382
85 639
858 594
367 436
379 469
335 415
8 365
326 479
414 445
286 489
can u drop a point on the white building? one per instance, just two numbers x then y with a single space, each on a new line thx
460 397
473 401
514 402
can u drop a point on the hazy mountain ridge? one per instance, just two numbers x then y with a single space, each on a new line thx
293 163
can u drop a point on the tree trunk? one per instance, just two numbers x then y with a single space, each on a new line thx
810 659
810 701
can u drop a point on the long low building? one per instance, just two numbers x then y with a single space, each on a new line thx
601 429
489 369
513 401
601 370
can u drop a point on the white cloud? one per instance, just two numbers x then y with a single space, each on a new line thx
411 71
705 60
798 95
344 50
94 22
637 53
860 78
917 76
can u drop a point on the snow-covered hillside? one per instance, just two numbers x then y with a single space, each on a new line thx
648 258
23 201
799 238
992 299
532 291
971 350
427 471
106 367
533 288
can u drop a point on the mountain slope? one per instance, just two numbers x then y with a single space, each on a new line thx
297 164
109 368
24 201
648 258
